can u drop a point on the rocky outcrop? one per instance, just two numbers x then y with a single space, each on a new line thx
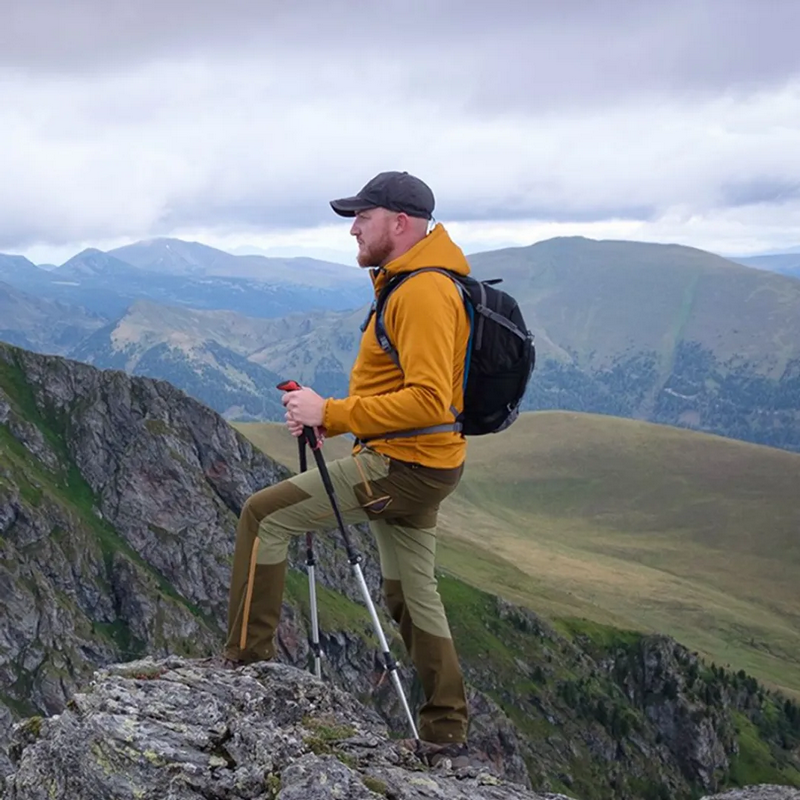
166 472
185 730
117 504
766 792
655 676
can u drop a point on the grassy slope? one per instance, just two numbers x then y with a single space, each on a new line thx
630 524
274 439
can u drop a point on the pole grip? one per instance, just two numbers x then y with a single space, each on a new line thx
309 433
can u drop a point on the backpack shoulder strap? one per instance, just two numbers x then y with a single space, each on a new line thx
378 307
383 297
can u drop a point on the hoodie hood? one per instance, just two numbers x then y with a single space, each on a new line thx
437 249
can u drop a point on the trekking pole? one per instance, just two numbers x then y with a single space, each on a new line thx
390 665
311 564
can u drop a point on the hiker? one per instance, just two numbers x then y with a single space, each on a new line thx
394 482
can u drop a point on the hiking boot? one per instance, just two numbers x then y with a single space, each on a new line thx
457 754
220 661
433 754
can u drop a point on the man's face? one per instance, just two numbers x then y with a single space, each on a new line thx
372 229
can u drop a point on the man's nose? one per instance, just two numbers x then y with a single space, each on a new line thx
354 229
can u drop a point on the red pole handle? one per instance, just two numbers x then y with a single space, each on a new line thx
312 435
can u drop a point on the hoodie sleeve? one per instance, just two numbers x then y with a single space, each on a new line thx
421 319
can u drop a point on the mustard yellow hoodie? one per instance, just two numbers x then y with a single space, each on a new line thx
426 321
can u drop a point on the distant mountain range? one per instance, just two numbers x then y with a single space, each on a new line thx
228 361
176 257
782 263
663 333
186 274
205 353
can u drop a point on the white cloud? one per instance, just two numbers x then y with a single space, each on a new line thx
571 121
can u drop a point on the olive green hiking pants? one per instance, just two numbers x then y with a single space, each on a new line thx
401 503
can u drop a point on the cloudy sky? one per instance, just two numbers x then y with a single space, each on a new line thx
234 123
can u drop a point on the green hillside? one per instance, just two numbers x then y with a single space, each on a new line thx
631 524
665 333
600 299
274 439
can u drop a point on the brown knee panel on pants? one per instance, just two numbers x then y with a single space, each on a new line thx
444 715
256 592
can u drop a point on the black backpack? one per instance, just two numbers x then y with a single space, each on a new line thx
500 354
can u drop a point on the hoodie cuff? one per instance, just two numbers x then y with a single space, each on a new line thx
335 417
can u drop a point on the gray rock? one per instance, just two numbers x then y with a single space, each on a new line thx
116 525
185 730
700 737
765 792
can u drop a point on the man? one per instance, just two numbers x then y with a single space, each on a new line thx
394 482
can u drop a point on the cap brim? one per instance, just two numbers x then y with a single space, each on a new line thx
349 206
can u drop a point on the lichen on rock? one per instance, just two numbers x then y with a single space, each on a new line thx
187 729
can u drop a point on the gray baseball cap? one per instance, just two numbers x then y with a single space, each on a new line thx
397 191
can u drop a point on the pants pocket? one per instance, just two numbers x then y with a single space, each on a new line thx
405 495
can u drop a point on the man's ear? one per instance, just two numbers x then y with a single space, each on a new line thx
401 223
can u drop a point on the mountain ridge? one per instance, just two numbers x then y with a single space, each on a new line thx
666 353
108 286
42 324
94 263
782 263
12 264
181 257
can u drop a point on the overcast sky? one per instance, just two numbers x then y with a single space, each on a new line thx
234 123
